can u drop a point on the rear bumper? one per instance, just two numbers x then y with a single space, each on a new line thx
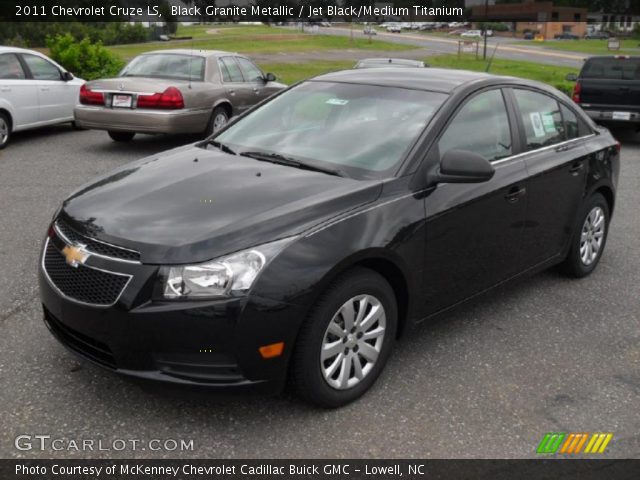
142 120
601 115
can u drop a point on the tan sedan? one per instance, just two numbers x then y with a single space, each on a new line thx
174 91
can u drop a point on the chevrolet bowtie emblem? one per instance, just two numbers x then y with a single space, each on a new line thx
75 255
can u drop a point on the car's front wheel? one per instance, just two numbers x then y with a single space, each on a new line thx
590 238
5 130
121 136
346 341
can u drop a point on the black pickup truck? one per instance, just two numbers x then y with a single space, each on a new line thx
608 88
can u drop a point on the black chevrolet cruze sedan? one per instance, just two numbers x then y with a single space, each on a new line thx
302 239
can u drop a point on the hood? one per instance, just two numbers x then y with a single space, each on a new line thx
190 205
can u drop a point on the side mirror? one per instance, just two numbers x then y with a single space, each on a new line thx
269 77
462 166
572 77
67 76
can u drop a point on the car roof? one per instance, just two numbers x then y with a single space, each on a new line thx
4 49
391 61
430 79
195 53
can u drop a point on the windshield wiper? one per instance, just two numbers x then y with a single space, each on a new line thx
222 147
291 162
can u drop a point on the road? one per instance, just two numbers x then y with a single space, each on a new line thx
445 45
546 354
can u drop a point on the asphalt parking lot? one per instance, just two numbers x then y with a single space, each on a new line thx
546 354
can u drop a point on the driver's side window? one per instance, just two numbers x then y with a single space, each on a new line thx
480 126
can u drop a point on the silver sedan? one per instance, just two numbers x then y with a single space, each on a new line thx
174 91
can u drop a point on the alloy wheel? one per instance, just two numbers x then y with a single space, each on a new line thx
592 235
352 342
219 121
4 131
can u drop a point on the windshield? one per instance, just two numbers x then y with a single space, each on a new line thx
164 65
612 68
362 130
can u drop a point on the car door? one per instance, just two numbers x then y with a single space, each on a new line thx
474 231
56 97
240 92
556 162
255 78
18 92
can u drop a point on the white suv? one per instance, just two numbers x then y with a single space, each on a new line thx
34 92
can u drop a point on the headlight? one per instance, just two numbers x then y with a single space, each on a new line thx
226 276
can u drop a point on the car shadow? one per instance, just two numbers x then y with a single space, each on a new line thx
143 144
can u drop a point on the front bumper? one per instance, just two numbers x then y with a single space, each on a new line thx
142 120
599 115
213 344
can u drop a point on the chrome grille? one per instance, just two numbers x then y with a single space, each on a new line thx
71 236
82 284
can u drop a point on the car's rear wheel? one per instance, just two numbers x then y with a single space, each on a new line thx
219 119
589 239
121 136
5 130
346 341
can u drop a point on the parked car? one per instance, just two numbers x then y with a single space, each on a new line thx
597 36
394 29
471 34
528 36
307 235
369 30
608 88
389 62
34 92
566 36
174 91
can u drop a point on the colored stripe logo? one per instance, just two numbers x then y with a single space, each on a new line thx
573 443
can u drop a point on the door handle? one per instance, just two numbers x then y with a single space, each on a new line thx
575 168
232 92
44 89
565 148
514 194
5 89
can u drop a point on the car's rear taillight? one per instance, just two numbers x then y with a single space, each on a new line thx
89 97
577 90
618 146
170 99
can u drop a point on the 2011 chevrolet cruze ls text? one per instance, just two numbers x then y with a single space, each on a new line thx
300 240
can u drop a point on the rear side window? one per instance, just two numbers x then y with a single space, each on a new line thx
10 67
41 68
572 127
612 68
541 119
481 126
233 73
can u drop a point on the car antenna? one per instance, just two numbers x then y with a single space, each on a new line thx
190 63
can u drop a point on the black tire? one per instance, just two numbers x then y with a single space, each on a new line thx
307 373
5 130
121 136
76 127
213 126
574 265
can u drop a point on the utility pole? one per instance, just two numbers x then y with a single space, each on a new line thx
484 28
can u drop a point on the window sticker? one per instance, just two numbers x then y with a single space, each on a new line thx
549 123
536 123
337 101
